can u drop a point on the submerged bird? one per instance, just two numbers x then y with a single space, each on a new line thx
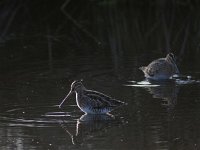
92 102
161 69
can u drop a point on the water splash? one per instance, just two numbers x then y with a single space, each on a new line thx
185 79
177 79
143 83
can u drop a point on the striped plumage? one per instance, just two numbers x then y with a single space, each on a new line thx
92 102
161 69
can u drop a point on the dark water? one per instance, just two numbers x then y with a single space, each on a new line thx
156 117
36 74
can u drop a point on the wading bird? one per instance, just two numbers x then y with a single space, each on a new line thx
161 69
92 102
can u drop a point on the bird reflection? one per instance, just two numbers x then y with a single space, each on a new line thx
167 92
88 126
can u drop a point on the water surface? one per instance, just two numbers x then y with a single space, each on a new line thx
39 65
158 116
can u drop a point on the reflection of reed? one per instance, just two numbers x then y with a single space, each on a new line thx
124 27
168 93
49 41
79 26
88 126
7 16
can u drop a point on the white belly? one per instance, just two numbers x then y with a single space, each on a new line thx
95 111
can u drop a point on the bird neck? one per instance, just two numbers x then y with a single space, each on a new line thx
80 90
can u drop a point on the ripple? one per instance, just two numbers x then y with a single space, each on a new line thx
177 79
185 82
57 114
38 116
185 79
144 83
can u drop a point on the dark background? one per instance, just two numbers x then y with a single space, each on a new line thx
45 45
43 31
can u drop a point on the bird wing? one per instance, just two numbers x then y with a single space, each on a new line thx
155 66
101 100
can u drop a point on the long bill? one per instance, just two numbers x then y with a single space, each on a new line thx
70 92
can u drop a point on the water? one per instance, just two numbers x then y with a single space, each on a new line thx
158 115
37 70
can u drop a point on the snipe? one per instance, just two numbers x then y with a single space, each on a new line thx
161 69
92 102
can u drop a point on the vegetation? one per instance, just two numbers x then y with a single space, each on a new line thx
42 30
